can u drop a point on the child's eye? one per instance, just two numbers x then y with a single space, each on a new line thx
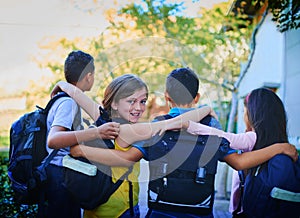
143 102
131 102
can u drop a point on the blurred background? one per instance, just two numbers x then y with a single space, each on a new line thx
234 46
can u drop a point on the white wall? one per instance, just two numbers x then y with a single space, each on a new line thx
276 60
266 66
291 91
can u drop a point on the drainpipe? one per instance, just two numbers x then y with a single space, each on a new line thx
222 193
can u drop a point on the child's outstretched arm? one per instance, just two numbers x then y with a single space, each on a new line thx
130 133
85 102
251 159
110 157
58 137
242 141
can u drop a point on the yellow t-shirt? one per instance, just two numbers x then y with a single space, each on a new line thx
118 203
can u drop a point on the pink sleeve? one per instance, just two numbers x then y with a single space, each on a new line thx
235 194
242 141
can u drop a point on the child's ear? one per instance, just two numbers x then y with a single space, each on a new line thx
196 99
168 98
114 106
89 76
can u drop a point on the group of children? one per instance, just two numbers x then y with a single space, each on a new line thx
126 97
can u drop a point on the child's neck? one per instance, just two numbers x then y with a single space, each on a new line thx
191 105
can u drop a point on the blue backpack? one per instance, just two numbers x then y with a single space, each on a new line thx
273 189
27 150
182 171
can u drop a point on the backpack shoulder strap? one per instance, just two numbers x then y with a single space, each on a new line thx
52 100
54 152
46 110
103 118
211 147
117 185
163 117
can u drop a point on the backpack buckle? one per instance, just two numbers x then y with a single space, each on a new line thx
200 175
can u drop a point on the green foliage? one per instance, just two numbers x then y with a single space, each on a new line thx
286 13
154 37
153 16
8 208
4 140
210 48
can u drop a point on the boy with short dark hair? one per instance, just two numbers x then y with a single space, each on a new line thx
165 197
183 166
64 124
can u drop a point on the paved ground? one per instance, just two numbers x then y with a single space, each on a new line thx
221 209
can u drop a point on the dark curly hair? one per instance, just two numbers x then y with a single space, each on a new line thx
182 85
77 65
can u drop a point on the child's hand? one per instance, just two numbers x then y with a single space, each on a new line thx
56 89
63 86
160 131
213 114
109 130
186 124
290 150
171 124
76 151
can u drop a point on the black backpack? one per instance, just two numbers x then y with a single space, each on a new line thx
27 150
90 183
182 171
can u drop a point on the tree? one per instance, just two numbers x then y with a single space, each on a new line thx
286 13
151 38
203 34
